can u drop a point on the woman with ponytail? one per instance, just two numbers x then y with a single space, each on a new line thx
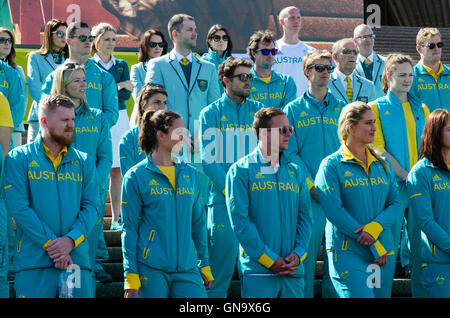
358 192
164 242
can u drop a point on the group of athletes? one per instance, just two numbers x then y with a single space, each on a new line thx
225 162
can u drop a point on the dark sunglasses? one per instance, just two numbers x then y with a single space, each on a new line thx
217 38
6 40
362 37
71 65
83 38
433 45
268 51
60 34
155 44
348 51
321 67
243 77
284 129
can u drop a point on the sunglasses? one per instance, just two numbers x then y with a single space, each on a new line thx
349 51
71 65
217 38
83 38
243 77
321 67
60 34
433 45
268 51
362 37
284 129
155 44
6 40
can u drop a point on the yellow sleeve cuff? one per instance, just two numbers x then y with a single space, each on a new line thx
206 271
46 245
79 241
266 261
379 248
132 281
310 184
374 229
303 257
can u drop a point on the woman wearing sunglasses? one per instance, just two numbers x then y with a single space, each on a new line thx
220 47
130 153
152 45
8 55
102 51
92 135
359 195
428 186
53 52
400 118
165 250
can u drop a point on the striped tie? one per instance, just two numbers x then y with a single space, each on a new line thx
367 62
349 90
185 61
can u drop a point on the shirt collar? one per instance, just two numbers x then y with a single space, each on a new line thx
108 65
431 71
342 76
179 56
362 58
347 155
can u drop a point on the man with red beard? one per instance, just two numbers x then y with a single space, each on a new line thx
52 195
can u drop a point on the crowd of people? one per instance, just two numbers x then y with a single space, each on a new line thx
224 162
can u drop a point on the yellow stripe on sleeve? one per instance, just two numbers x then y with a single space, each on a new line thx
374 229
132 281
266 261
206 271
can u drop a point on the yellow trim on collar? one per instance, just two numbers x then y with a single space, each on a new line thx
266 261
56 161
206 271
374 229
431 71
132 281
348 155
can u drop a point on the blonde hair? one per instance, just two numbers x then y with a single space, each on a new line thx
314 55
98 31
391 63
350 116
425 34
63 76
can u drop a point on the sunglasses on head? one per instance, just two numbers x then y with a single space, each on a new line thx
268 51
433 45
284 129
155 44
243 77
6 40
59 34
217 38
322 67
349 51
83 38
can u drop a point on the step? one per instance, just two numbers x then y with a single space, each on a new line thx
328 29
112 238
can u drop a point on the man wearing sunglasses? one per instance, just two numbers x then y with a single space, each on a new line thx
101 90
269 207
345 83
291 50
315 117
431 80
271 88
370 65
226 130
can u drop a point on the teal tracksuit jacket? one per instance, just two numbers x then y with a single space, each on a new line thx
130 153
163 228
47 204
434 93
214 58
280 91
11 87
270 212
4 285
101 91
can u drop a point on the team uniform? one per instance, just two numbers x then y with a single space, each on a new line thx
215 59
217 120
429 192
130 153
362 89
278 91
31 173
289 61
164 233
270 213
137 77
38 68
314 138
10 87
16 134
352 195
433 89
399 129
372 71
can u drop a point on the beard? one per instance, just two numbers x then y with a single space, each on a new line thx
61 139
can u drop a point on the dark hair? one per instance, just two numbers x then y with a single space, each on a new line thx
176 23
47 40
212 31
227 68
145 42
11 57
257 37
73 27
263 117
431 142
144 95
153 121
